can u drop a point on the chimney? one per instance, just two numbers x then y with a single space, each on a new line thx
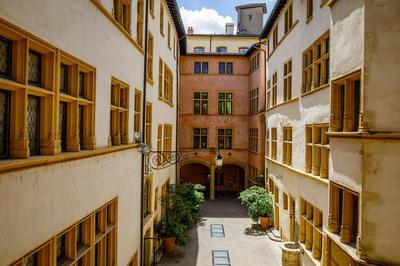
190 30
229 28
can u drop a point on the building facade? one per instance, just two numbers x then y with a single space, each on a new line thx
74 91
328 129
221 111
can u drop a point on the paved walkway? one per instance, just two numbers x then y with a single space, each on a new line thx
246 247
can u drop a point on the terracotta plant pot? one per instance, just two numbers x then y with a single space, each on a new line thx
168 244
265 222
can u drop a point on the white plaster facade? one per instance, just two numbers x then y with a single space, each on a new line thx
211 42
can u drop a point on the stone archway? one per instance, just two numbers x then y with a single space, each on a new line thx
229 180
196 173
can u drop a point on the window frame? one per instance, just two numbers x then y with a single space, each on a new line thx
287 80
201 101
225 137
200 136
225 101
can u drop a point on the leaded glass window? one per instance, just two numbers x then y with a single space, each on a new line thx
81 125
63 125
200 138
5 57
35 68
33 123
82 84
225 103
225 138
64 78
200 103
4 122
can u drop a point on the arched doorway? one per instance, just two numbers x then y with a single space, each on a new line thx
196 173
229 180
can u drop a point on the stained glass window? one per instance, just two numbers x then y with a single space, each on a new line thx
63 125
35 68
81 125
64 78
4 123
5 57
33 123
82 84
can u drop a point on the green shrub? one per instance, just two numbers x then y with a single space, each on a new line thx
248 196
261 207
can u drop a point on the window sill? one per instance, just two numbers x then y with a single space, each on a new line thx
283 103
316 178
116 23
11 165
309 254
364 135
315 90
283 38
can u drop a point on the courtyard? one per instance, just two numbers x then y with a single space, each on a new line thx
243 243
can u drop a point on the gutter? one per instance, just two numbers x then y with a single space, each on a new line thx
146 25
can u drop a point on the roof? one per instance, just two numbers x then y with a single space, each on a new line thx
272 18
215 54
180 28
226 35
252 5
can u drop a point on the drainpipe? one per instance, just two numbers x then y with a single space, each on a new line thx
143 130
177 105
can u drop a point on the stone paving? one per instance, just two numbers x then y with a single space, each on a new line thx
246 246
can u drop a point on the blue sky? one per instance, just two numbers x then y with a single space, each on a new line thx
210 15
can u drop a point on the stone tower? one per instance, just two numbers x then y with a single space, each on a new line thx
251 18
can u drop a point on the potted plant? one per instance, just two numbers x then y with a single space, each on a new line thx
248 196
262 209
170 231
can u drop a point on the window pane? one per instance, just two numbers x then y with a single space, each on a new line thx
229 107
221 68
4 123
196 142
196 131
203 131
221 142
81 125
221 95
33 120
205 68
199 49
221 49
204 95
229 95
196 107
82 79
228 143
197 95
221 107
204 107
35 68
5 57
197 67
229 68
204 142
63 125
64 78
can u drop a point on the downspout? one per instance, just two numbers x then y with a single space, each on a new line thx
143 131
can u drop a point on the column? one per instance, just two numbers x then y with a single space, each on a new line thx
333 216
212 182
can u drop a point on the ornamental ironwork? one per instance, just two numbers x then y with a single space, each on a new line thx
156 160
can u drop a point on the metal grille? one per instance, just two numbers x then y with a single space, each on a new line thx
5 57
82 80
35 68
63 125
64 78
33 120
4 123
81 125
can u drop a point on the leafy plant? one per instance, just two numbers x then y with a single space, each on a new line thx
248 196
170 227
261 207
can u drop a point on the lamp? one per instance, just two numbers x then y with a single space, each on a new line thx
219 160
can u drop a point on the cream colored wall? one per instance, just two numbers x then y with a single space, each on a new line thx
232 43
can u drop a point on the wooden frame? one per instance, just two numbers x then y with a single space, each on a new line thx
287 81
139 22
150 50
287 146
149 121
119 112
288 18
253 140
274 89
274 142
317 150
253 98
161 19
138 111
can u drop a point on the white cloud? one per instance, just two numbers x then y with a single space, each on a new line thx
204 21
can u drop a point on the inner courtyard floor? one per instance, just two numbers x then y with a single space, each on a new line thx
245 245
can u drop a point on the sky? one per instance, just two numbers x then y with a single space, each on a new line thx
210 16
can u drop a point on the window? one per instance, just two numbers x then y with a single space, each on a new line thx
63 125
5 57
138 111
200 138
253 101
82 84
167 138
253 139
311 228
150 58
243 50
274 143
220 258
287 81
174 41
309 4
200 103
343 213
74 246
275 37
33 124
268 94
122 13
151 8
345 104
225 103
119 112
287 146
168 84
162 20
289 18
225 68
4 123
169 35
35 68
149 118
156 201
139 23
285 201
159 143
274 89
255 62
201 68
221 49
225 138
267 137
317 150
316 65
147 196
64 78
199 49
160 78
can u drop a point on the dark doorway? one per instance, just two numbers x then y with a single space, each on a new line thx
229 181
196 173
